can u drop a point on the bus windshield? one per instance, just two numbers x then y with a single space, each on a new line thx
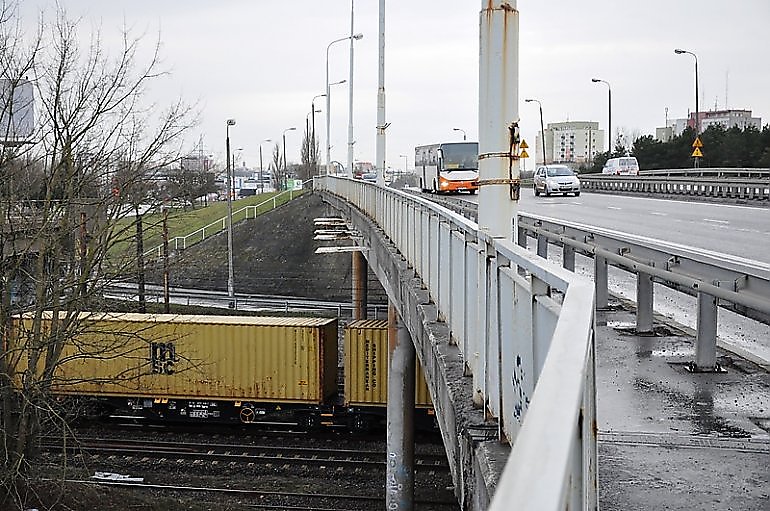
461 156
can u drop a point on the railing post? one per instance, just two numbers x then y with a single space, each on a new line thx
600 282
644 302
542 246
706 337
568 257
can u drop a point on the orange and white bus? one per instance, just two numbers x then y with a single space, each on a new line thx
449 167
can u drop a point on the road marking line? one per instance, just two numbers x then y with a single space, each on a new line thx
716 221
613 207
658 214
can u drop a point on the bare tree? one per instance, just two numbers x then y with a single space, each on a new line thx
309 166
65 224
279 173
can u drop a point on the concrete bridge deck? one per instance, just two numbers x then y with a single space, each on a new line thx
672 439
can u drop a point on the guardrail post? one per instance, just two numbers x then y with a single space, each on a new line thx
706 338
568 257
542 246
644 299
600 282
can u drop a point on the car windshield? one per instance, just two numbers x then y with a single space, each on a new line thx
559 171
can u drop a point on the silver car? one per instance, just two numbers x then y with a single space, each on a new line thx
556 179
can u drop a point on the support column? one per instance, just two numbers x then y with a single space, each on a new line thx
600 282
360 285
644 303
706 338
399 484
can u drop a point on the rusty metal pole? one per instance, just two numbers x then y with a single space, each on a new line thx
166 297
499 171
360 285
399 485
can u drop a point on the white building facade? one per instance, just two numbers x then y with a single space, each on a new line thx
569 142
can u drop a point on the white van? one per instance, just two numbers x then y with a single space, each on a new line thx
625 166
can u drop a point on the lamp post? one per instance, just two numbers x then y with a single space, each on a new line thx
609 112
353 37
697 112
542 130
284 152
230 272
406 162
328 146
459 129
261 169
328 117
312 117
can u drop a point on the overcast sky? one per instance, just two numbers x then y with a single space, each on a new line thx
262 61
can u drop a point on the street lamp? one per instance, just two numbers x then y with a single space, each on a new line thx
328 146
609 110
459 129
542 130
697 112
328 117
261 169
314 154
230 272
284 151
406 161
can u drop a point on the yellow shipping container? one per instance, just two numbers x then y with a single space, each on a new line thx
366 366
260 359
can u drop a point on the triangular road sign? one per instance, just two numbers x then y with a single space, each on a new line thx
524 154
697 153
524 145
697 142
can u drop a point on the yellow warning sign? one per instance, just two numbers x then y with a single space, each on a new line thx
524 145
697 153
697 143
524 154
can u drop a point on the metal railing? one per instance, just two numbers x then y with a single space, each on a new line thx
715 279
183 242
710 172
529 348
722 185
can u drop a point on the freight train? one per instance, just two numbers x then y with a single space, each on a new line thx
223 369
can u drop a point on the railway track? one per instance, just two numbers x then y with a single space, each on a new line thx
239 453
274 499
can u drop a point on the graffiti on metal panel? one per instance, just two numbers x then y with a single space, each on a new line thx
163 357
522 400
370 364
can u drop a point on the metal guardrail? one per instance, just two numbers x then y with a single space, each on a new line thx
715 279
530 349
721 187
721 172
182 242
220 299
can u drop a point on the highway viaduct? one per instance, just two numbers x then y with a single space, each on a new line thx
470 342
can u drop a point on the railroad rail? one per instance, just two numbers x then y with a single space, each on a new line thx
273 499
238 453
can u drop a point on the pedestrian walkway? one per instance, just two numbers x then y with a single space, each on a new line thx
675 440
